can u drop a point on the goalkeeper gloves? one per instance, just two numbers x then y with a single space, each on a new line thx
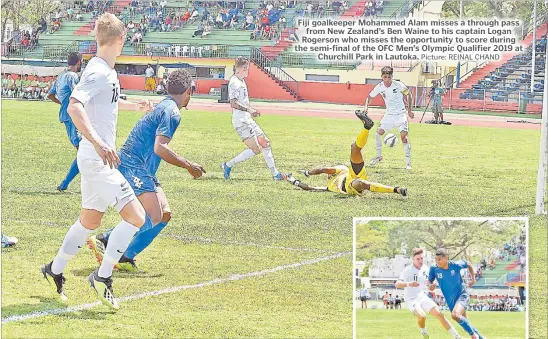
292 180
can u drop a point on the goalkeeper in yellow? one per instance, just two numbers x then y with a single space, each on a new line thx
353 180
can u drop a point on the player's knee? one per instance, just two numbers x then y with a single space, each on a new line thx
354 147
380 131
455 316
404 139
256 150
166 217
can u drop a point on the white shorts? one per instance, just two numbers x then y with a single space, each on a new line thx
422 302
248 130
103 186
389 122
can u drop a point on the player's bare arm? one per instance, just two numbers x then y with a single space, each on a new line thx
319 170
53 98
403 284
294 181
141 105
409 100
234 103
472 275
162 149
367 100
81 121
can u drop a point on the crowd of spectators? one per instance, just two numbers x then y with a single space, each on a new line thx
27 87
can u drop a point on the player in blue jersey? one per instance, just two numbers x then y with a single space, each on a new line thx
60 93
447 274
140 156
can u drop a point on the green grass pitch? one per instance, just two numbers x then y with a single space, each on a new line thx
231 230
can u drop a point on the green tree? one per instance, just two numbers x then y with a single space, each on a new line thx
25 12
372 241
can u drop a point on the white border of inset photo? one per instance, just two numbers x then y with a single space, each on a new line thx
361 219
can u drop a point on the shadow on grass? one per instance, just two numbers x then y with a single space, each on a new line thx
85 272
52 305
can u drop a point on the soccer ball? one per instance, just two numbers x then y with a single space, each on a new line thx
390 140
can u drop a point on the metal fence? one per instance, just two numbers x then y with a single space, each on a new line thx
278 74
482 100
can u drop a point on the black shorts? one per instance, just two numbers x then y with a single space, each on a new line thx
363 298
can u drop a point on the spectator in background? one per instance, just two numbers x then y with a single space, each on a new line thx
219 21
162 86
55 26
70 13
397 303
194 16
207 30
363 296
137 38
192 86
131 27
43 25
168 24
150 83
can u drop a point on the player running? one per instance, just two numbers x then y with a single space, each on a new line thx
395 95
447 274
140 156
93 108
413 280
60 93
353 180
242 120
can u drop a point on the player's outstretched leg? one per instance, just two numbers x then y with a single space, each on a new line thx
264 142
72 173
444 322
421 321
457 315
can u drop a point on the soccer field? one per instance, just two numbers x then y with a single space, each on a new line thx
249 257
400 324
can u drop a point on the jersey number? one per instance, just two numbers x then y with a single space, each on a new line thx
114 95
415 277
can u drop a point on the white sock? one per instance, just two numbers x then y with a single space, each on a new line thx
118 242
269 158
407 149
74 240
378 140
246 154
453 332
424 331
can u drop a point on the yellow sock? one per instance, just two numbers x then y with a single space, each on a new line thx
361 140
374 187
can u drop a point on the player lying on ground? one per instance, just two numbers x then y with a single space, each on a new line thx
396 96
413 280
60 93
242 121
447 274
140 156
353 180
93 108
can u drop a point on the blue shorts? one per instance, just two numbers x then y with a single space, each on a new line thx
139 179
73 134
464 300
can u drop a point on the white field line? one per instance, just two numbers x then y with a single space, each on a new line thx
235 277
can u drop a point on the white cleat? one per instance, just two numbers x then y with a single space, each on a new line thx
408 167
375 160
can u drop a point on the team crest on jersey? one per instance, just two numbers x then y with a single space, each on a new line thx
138 183
394 90
452 273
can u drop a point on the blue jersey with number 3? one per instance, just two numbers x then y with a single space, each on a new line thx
450 280
138 150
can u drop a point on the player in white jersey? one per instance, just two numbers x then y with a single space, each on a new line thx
395 95
414 280
94 108
242 120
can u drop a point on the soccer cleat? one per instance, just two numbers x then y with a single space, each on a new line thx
425 336
375 160
58 280
279 176
226 170
408 167
475 336
367 121
97 245
103 288
61 188
8 241
402 191
126 264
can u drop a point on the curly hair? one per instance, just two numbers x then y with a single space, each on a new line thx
178 82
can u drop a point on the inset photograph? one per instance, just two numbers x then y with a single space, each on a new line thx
440 278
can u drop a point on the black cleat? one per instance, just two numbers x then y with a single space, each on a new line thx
127 264
103 288
58 280
367 121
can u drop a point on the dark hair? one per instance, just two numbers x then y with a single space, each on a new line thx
387 70
441 252
178 82
73 58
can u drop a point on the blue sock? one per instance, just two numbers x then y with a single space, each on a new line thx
465 324
142 239
72 173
